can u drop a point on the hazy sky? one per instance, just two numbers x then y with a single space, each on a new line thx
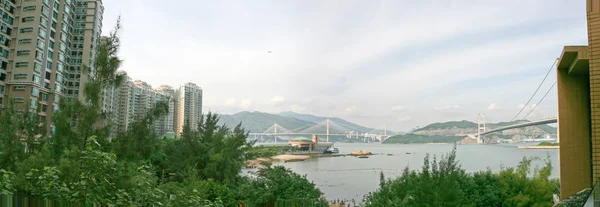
400 63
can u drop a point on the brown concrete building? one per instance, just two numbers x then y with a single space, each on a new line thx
578 85
38 54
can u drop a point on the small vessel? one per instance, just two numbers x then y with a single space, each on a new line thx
332 150
363 156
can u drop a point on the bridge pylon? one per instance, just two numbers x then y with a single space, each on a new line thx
480 127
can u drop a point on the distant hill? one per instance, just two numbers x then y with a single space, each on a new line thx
419 139
259 122
452 128
318 119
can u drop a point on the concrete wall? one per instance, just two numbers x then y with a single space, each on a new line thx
573 121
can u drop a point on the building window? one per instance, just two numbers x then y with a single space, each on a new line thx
50 54
37 67
26 29
39 56
56 99
60 67
42 33
19 88
4 53
29 8
19 76
48 65
61 57
24 41
1 91
23 52
57 88
35 92
45 11
45 97
40 44
33 104
51 44
63 47
43 21
44 108
19 100
21 64
37 79
2 76
27 19
5 28
55 15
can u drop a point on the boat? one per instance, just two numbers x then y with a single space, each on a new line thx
331 150
363 156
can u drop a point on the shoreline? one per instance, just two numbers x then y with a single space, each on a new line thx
291 158
538 147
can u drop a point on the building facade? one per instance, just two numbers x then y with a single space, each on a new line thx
164 124
188 106
35 53
125 103
578 86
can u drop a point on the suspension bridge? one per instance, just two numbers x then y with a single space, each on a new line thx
325 128
550 103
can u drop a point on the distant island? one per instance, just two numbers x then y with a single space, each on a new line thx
420 139
464 131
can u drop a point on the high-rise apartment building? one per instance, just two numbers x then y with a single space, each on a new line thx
124 112
143 96
84 40
164 124
188 106
38 56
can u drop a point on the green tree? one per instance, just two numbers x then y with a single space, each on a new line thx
11 147
278 183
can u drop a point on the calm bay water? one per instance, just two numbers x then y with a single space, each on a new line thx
351 177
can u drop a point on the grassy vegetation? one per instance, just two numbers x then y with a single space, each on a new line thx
548 144
415 138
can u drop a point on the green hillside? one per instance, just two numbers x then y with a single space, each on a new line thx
467 124
417 139
446 125
318 119
259 122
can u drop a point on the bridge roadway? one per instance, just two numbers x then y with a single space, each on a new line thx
294 134
521 125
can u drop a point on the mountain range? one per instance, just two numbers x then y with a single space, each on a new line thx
291 122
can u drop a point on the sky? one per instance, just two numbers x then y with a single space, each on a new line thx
394 63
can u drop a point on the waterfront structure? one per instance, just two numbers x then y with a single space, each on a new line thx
311 145
188 106
578 86
43 50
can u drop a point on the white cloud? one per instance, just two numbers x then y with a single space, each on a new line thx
439 108
230 102
492 106
398 108
246 104
277 100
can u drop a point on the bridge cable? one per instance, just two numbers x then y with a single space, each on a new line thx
536 90
538 103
